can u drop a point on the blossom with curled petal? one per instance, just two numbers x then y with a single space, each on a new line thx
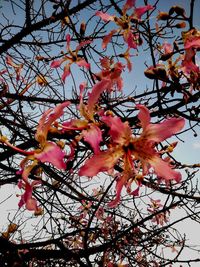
27 199
111 72
47 120
17 67
124 23
48 151
128 149
88 127
72 58
191 41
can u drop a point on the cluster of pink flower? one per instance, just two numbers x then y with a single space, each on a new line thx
135 155
182 67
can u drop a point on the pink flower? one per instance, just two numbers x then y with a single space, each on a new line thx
144 146
124 23
49 151
132 149
72 58
112 73
17 67
27 199
46 121
191 41
90 131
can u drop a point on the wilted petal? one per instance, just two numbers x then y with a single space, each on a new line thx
31 204
53 154
107 39
163 169
93 136
66 72
119 186
103 161
104 16
68 40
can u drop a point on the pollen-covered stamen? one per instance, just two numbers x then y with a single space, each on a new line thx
4 140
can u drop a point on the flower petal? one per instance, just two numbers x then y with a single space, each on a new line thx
119 186
107 38
83 44
93 136
74 125
83 63
163 169
161 131
97 89
194 43
139 11
66 72
31 204
68 40
104 16
143 116
52 154
103 161
128 5
57 63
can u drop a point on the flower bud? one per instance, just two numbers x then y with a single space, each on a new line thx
180 25
163 16
178 10
82 29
